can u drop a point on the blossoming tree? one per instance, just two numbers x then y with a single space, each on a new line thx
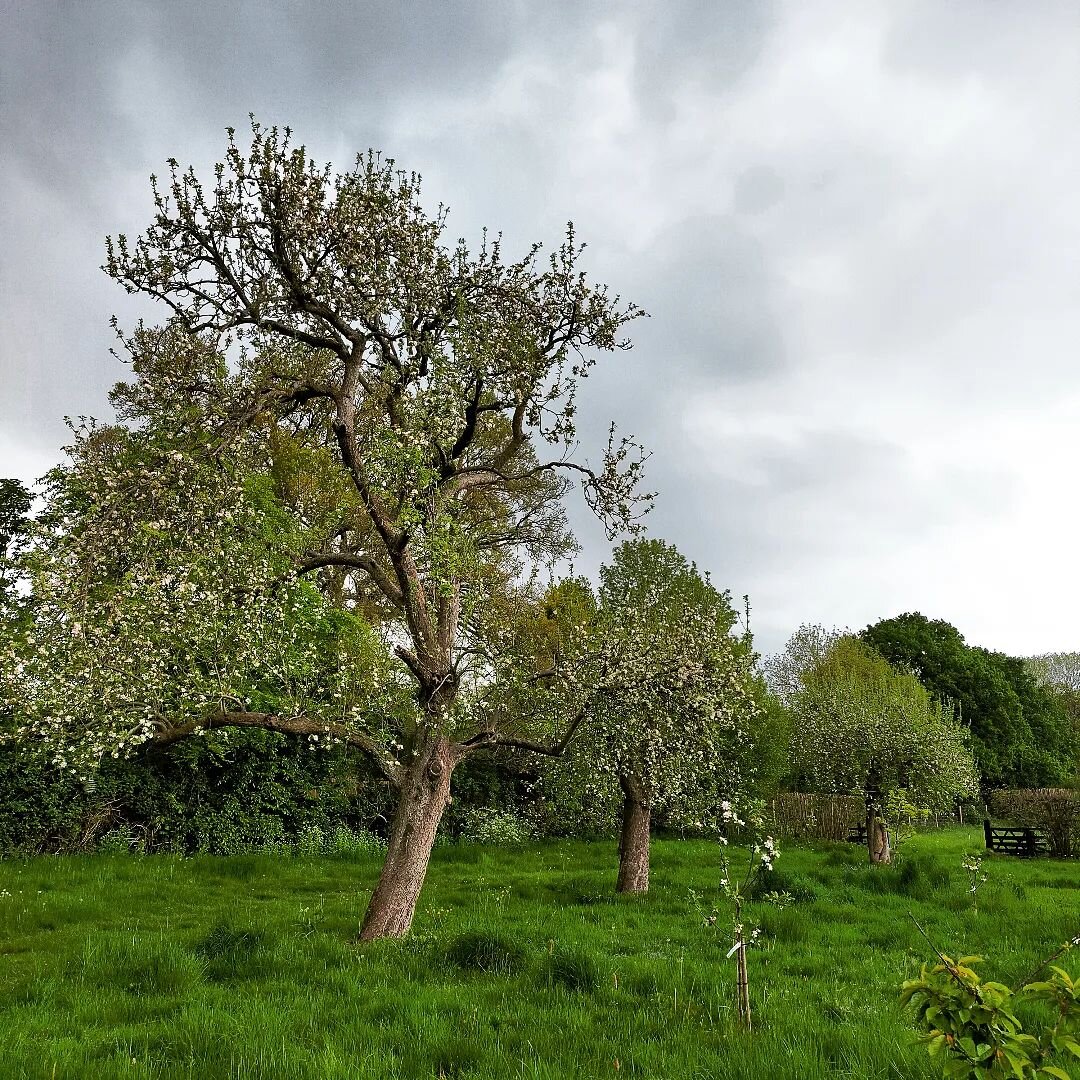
861 724
670 701
432 391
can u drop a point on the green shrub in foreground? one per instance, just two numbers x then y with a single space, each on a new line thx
972 1029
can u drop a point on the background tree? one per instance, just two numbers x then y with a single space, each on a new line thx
671 701
15 502
859 724
784 671
1020 733
1060 669
1059 674
434 386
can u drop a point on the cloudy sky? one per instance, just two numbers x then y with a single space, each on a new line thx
856 227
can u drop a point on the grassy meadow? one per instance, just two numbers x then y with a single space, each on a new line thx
522 963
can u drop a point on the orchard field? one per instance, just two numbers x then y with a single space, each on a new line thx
522 963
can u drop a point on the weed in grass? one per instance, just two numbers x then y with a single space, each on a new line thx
233 954
797 889
785 924
139 964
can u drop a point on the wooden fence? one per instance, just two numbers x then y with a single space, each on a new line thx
1024 841
856 834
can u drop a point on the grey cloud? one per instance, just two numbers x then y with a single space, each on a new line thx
697 42
962 38
835 265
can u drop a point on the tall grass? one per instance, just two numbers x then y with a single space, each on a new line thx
522 964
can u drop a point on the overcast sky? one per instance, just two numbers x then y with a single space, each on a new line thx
855 226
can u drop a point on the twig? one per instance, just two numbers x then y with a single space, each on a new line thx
949 965
1048 961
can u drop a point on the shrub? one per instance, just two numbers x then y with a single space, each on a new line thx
224 794
973 1029
486 825
353 841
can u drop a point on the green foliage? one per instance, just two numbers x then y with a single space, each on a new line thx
973 1028
222 794
1021 734
861 724
492 825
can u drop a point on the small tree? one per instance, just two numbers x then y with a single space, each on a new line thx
433 387
860 724
15 502
669 696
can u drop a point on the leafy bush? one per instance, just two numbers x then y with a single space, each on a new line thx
223 794
972 1029
487 825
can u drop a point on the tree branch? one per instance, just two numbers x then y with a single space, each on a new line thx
386 584
386 763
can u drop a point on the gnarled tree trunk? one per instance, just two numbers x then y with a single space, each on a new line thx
877 835
634 840
425 793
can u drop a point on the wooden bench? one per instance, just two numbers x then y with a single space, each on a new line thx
1024 842
856 834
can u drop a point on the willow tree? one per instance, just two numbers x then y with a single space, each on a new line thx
432 390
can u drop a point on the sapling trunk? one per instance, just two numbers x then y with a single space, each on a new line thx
742 985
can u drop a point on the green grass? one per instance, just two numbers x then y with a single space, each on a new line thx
521 964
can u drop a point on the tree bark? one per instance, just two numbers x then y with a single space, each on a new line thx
634 840
877 837
425 793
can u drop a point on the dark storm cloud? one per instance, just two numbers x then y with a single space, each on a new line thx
714 301
97 95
